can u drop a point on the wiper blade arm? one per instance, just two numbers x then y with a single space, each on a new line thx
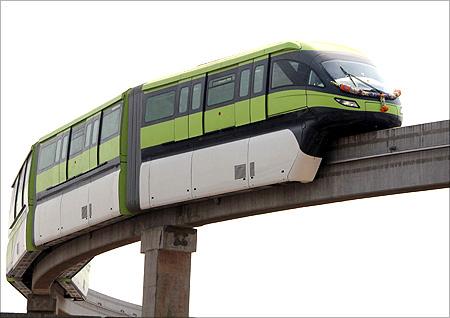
348 75
364 82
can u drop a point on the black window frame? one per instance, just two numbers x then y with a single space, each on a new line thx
188 86
65 148
214 77
12 205
88 134
42 145
20 182
301 85
202 82
148 95
241 70
265 63
107 111
317 75
95 132
81 126
294 56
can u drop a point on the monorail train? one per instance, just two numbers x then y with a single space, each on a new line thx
252 120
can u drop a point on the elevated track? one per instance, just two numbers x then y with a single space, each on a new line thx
393 161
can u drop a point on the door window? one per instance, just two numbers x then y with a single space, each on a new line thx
258 81
221 90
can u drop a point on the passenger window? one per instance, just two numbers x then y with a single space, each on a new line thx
258 79
221 90
111 123
12 207
196 96
160 106
47 155
27 176
58 150
64 147
77 140
314 80
19 196
87 140
183 104
95 131
288 73
245 83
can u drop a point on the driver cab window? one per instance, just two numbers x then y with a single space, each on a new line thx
314 80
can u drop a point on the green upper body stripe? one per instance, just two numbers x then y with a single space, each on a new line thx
279 103
108 150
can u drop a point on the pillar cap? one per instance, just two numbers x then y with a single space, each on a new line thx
172 238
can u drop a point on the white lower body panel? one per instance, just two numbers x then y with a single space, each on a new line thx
17 247
248 163
75 210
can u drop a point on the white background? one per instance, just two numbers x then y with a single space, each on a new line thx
372 257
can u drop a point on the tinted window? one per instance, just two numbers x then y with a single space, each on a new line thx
19 196
110 123
258 79
12 208
245 83
95 131
183 104
64 147
314 80
221 90
25 187
288 73
196 96
88 135
77 139
58 150
47 155
160 106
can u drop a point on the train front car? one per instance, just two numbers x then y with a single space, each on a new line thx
346 94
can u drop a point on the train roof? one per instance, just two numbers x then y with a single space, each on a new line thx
246 56
87 115
216 65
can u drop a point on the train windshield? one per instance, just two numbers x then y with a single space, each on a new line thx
341 71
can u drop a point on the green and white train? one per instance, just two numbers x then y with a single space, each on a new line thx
252 120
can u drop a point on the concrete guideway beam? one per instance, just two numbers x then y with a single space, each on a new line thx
167 270
392 161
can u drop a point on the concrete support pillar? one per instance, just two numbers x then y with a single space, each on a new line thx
167 270
42 305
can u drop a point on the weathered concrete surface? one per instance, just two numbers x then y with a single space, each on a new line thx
42 304
378 163
98 304
167 271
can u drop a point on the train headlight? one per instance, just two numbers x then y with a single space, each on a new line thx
346 102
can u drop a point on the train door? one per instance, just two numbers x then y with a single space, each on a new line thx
259 89
182 110
219 108
196 107
78 158
242 105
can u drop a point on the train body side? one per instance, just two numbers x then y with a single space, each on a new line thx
261 121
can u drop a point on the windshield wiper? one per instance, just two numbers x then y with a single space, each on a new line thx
364 82
348 75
